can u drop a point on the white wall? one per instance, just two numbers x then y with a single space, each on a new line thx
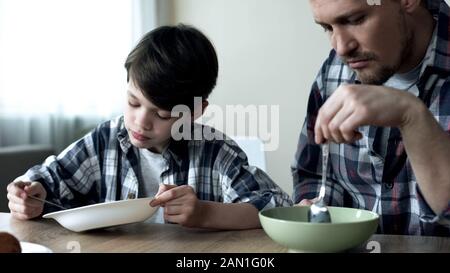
269 53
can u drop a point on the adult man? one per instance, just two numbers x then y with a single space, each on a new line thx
382 99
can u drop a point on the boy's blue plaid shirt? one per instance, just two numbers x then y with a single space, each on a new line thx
371 174
105 166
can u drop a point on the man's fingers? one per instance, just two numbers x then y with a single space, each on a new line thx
318 135
357 136
350 125
332 106
321 131
335 124
307 202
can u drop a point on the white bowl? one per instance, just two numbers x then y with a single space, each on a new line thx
104 214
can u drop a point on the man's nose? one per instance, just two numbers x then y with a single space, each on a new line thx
343 42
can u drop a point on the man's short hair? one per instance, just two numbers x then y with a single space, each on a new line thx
173 64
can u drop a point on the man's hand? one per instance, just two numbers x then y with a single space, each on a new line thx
22 207
180 204
307 202
352 106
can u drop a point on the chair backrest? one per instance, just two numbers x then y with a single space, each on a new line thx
254 148
15 161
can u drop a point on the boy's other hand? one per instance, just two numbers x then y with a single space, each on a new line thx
22 207
164 188
180 203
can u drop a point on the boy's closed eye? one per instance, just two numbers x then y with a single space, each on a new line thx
133 104
159 115
164 116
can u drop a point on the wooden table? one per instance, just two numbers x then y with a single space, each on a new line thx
146 237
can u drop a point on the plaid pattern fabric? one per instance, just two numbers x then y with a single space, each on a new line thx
104 166
374 172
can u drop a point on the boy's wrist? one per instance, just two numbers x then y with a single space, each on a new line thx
204 215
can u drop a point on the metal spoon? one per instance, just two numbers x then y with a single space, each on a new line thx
45 201
318 212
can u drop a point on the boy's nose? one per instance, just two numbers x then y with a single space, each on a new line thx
143 121
146 126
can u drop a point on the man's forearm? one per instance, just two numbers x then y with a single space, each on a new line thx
428 149
217 215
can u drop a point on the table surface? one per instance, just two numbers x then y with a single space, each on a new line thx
148 237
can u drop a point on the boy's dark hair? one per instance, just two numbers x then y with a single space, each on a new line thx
173 64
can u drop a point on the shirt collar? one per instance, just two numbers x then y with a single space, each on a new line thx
437 55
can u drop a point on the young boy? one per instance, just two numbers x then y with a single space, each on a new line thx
198 183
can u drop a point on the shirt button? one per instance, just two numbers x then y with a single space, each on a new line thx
389 185
131 195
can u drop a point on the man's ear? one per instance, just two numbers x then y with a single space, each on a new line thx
199 109
410 6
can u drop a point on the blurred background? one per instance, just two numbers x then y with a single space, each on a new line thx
61 63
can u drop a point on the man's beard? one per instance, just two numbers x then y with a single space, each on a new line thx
380 74
377 76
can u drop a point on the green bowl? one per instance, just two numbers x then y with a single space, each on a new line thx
289 227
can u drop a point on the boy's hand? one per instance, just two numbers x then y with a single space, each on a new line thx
180 204
22 207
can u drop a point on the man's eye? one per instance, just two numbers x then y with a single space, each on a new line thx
357 21
327 28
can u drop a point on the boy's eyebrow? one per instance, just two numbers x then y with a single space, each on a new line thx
131 94
136 98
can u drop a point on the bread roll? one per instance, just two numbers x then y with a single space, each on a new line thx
9 243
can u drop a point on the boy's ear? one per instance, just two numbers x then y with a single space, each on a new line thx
199 110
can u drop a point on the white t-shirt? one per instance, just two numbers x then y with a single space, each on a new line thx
406 81
152 166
